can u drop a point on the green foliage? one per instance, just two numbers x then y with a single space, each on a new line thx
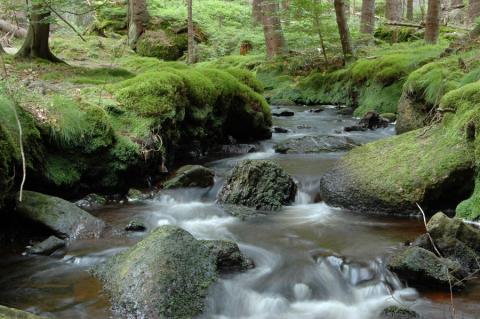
61 171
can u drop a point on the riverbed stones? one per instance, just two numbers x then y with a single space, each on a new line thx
396 312
11 313
166 275
191 176
262 185
228 256
47 247
91 202
63 218
315 144
370 121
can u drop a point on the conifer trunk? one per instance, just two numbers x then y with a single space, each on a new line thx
456 3
191 34
432 24
36 43
410 10
393 10
272 28
473 11
340 11
137 20
367 22
257 11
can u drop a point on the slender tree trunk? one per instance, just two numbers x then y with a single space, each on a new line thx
393 10
257 11
2 51
473 11
191 34
137 20
340 11
432 25
367 21
318 27
36 42
410 10
272 28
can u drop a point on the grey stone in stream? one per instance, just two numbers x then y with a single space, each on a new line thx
228 256
370 121
47 247
135 226
284 114
91 201
135 195
191 176
315 144
238 149
419 266
11 313
166 275
63 218
262 185
280 130
395 312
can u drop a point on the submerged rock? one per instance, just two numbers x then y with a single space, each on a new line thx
11 313
228 256
315 144
166 275
395 312
47 247
280 130
191 176
65 219
263 185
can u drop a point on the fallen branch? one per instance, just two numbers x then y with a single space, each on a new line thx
404 24
11 28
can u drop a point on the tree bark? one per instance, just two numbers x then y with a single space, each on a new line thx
456 3
367 20
340 11
432 24
137 20
191 34
272 29
473 11
257 11
36 43
318 26
2 51
410 10
393 10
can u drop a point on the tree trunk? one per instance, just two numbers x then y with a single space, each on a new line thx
257 11
318 27
432 24
272 28
393 10
473 11
191 34
343 30
137 20
367 22
456 3
2 51
410 10
36 42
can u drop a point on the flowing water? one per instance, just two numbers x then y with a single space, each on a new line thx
312 260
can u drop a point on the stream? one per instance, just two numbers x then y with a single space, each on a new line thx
312 260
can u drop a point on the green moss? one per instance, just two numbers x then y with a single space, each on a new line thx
162 45
383 99
470 208
247 78
139 64
61 171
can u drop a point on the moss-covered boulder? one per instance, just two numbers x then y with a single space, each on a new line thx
262 185
315 144
411 114
191 176
162 44
166 275
228 256
11 313
63 218
420 267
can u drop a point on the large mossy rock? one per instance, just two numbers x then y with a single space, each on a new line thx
63 218
262 185
412 114
166 275
315 144
11 313
191 176
162 44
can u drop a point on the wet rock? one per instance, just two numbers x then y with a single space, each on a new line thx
419 266
304 127
284 114
280 130
283 102
63 218
315 144
238 149
228 256
317 110
345 110
191 176
135 195
390 117
135 226
371 121
262 185
11 313
92 201
395 312
412 114
166 275
47 247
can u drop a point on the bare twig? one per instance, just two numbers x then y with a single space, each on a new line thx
67 23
